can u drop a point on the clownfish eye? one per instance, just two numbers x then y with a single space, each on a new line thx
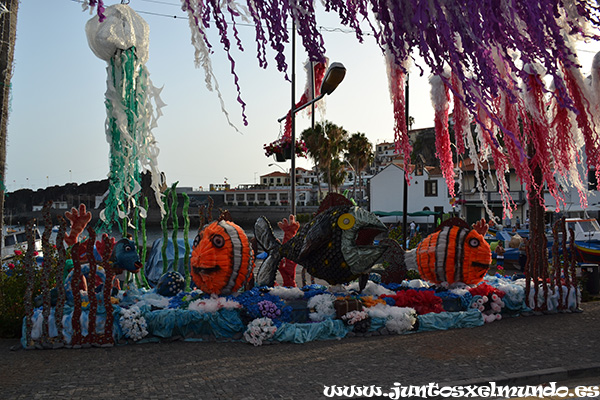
218 241
197 240
127 247
474 242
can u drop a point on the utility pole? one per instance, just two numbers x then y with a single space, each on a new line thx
8 33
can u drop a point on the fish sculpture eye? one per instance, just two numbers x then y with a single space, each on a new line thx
346 221
218 241
127 248
474 242
197 240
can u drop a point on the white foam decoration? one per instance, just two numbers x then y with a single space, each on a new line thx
371 289
213 305
122 29
397 319
323 306
202 57
287 293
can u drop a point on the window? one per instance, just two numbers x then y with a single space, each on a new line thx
250 196
239 197
272 196
262 196
431 188
229 197
592 181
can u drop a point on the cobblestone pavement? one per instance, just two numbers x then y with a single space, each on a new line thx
522 350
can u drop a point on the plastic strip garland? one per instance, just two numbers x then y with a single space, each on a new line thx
448 35
122 41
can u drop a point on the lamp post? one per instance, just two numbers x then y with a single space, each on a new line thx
334 75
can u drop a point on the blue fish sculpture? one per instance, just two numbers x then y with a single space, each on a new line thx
125 257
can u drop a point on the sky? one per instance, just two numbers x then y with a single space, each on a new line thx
56 126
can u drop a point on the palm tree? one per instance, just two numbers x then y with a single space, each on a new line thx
314 139
359 155
337 173
335 143
8 22
325 143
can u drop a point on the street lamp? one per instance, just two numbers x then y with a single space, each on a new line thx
333 77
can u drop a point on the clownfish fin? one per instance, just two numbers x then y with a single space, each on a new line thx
263 232
410 260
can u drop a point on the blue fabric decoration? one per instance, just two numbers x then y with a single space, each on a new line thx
450 320
302 333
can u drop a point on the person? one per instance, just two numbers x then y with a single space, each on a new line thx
518 223
507 223
412 228
500 255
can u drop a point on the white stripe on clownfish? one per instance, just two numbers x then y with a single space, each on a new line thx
236 256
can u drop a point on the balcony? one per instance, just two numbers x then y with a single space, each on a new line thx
518 196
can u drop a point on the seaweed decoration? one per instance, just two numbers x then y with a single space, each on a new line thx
144 249
46 273
163 224
106 339
60 286
186 229
91 337
76 282
28 301
174 205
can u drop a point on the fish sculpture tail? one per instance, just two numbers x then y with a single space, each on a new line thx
263 232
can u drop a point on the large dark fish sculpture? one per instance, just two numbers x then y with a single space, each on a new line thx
455 253
336 245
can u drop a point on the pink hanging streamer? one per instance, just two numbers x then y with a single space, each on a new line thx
536 126
583 118
440 96
397 81
319 73
460 114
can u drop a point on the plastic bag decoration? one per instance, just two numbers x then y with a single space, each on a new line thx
222 260
454 253
122 41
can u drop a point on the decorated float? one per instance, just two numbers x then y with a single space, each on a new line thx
491 72
104 299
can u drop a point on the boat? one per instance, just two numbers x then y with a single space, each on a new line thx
15 238
587 239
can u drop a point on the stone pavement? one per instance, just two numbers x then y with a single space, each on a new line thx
514 351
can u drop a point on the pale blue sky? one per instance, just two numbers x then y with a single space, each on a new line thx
56 129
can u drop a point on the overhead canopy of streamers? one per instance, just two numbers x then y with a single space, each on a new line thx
478 51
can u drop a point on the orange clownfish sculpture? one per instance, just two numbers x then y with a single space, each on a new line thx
222 259
455 253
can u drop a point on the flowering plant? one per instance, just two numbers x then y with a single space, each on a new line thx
133 323
259 330
285 143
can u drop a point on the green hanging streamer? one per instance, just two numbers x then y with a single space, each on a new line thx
144 246
186 228
174 205
163 224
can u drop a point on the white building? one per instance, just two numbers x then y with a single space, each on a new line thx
427 192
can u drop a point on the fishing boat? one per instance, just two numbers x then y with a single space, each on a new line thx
15 238
587 239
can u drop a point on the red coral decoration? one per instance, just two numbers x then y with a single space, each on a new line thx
486 290
423 301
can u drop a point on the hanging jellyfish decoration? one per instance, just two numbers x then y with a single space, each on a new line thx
133 107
